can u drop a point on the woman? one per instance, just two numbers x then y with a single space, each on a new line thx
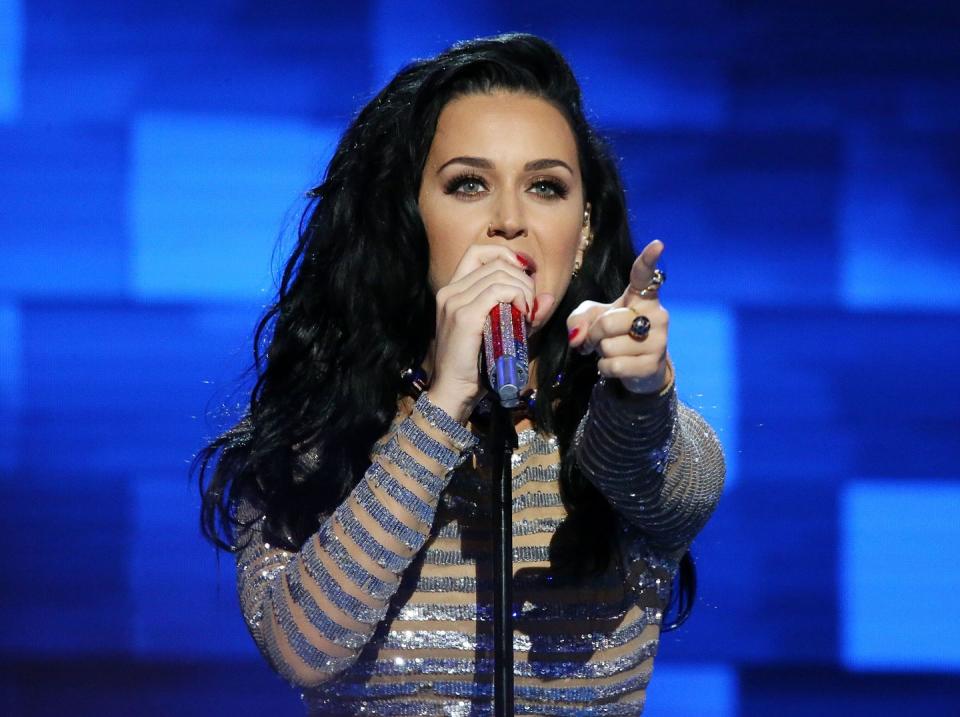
358 505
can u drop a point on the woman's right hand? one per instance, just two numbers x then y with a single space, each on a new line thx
486 276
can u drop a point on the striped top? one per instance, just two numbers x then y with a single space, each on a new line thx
387 609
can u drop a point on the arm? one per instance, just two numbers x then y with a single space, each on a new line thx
311 612
654 458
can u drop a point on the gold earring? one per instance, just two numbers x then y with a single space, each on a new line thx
578 262
587 236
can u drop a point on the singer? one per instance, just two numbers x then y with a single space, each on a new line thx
355 491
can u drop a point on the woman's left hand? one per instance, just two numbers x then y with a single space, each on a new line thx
641 364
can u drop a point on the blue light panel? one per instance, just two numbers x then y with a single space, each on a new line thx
183 603
900 219
898 577
11 41
210 196
11 380
682 690
702 345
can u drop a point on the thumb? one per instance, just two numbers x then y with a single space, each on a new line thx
641 273
542 306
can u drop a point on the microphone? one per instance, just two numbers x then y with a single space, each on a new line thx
505 350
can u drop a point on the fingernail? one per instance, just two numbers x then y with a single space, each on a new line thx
536 306
573 334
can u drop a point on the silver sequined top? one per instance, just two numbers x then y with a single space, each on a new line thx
386 610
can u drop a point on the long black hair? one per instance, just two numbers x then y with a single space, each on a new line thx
328 390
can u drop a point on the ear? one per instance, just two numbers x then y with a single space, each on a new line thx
586 232
586 236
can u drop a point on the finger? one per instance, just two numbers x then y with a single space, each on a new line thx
470 286
488 269
654 344
479 254
617 322
580 320
474 313
613 322
500 283
641 273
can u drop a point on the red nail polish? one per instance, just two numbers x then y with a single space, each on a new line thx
573 334
536 306
523 260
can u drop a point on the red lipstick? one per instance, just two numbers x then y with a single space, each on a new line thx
529 265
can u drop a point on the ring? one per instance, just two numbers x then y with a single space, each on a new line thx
639 328
659 279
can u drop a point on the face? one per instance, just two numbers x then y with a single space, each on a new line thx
508 160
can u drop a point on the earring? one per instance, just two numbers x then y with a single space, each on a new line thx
586 238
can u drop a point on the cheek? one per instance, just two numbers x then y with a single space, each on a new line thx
562 255
446 250
440 273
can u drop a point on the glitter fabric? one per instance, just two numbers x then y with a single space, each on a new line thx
386 610
625 450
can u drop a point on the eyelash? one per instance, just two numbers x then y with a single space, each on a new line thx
559 189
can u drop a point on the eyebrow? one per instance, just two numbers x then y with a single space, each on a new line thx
481 163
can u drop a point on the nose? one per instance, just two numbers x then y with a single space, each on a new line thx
507 220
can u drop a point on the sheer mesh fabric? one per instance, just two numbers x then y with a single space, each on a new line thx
386 610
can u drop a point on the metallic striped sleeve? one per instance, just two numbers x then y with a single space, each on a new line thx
311 622
654 458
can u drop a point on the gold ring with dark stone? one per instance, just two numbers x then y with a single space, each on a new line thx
639 328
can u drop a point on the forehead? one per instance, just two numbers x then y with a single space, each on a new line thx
504 125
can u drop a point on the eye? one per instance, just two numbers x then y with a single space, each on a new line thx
465 185
549 188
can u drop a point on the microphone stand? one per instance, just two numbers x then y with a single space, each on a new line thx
503 440
505 354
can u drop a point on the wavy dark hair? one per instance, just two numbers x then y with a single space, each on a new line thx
323 386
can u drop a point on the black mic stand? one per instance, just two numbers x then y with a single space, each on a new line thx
503 440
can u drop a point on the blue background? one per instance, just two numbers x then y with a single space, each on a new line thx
799 159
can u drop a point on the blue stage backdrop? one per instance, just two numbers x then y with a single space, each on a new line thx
799 159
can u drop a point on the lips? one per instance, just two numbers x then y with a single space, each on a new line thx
529 265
